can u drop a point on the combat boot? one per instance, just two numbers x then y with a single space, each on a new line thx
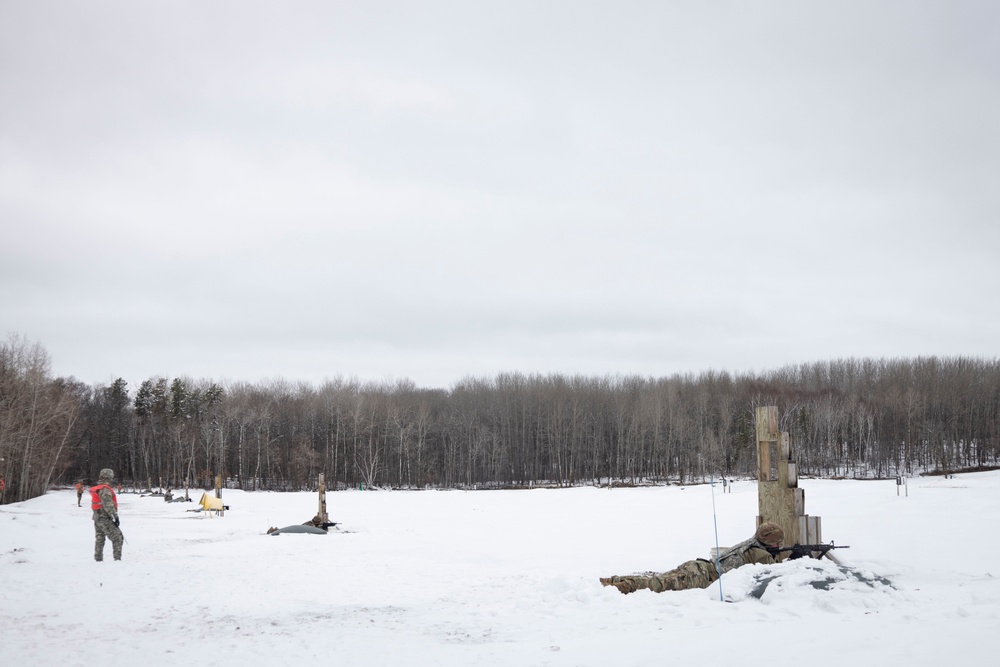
626 585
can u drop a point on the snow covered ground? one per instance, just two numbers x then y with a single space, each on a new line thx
503 578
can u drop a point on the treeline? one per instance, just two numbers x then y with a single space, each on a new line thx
40 427
858 418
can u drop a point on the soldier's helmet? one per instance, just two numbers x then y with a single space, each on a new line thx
770 534
107 474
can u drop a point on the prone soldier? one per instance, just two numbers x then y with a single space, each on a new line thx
700 573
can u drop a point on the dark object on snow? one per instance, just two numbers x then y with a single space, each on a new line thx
803 550
315 526
305 528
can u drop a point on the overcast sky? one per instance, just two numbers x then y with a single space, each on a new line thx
432 190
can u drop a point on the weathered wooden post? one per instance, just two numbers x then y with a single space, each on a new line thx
780 500
322 499
218 493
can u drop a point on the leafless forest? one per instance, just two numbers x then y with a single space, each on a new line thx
852 417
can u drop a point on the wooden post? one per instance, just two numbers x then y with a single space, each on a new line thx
780 500
218 492
322 499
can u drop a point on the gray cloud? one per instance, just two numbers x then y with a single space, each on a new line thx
249 190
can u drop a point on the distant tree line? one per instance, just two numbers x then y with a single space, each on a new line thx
40 428
852 417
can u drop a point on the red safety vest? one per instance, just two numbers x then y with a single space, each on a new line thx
95 498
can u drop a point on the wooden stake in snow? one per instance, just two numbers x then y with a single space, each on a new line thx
218 492
322 499
780 499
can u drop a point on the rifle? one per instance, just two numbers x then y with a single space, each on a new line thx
803 550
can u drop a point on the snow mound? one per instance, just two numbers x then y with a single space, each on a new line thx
823 583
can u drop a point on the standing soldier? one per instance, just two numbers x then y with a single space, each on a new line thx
104 502
79 493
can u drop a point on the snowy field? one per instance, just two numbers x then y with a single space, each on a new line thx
503 578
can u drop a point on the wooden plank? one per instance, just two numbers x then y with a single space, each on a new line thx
762 462
798 501
767 461
772 502
802 525
815 535
767 423
782 468
790 515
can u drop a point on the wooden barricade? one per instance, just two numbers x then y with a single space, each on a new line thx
780 500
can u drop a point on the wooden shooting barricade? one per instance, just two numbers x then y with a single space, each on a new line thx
780 499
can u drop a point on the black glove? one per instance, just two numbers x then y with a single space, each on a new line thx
116 521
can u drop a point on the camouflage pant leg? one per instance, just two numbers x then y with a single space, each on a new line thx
697 573
692 574
625 584
104 527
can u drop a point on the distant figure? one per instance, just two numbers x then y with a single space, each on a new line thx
79 493
315 526
168 497
700 573
104 502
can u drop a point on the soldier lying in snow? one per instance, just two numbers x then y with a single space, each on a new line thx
700 573
316 526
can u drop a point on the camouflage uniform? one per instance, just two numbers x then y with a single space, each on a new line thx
700 573
106 519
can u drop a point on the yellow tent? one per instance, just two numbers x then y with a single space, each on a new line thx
210 503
